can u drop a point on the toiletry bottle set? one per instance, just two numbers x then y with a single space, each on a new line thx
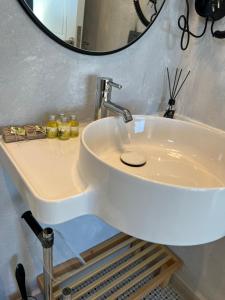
62 126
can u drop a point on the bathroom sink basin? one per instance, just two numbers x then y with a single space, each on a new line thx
177 196
45 174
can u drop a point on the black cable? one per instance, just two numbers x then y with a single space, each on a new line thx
141 15
212 27
155 9
185 28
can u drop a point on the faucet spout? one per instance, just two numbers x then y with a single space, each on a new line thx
104 103
124 112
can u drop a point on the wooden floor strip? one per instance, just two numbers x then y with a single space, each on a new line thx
74 263
122 265
114 260
116 270
139 278
94 261
155 282
128 274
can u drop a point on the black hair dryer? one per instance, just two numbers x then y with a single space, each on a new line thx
20 278
212 10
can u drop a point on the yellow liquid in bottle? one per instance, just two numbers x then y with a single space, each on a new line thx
52 129
64 130
74 128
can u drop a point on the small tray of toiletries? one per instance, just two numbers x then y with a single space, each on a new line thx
60 126
21 133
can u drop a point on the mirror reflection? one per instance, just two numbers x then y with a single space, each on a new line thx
96 25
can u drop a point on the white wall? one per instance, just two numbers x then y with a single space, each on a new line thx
204 100
39 76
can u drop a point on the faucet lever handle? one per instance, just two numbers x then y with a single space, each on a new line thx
116 85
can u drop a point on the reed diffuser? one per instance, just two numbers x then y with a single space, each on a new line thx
174 92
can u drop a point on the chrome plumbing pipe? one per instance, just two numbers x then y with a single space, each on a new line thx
67 294
47 244
46 237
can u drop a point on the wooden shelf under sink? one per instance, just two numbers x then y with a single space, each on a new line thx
121 266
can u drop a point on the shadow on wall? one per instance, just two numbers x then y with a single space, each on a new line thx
20 245
163 104
17 244
91 87
200 273
2 292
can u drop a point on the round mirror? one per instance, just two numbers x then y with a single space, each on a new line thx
94 26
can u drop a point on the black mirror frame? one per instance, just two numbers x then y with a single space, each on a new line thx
140 14
75 49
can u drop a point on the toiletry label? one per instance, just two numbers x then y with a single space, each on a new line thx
52 132
74 131
64 132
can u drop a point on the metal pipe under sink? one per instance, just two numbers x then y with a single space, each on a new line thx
46 237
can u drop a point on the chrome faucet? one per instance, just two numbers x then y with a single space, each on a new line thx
104 103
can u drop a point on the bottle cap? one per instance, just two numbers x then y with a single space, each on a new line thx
64 119
60 116
51 117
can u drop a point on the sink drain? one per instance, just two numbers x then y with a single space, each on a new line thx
133 159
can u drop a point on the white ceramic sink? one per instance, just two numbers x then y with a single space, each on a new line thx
176 198
45 173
